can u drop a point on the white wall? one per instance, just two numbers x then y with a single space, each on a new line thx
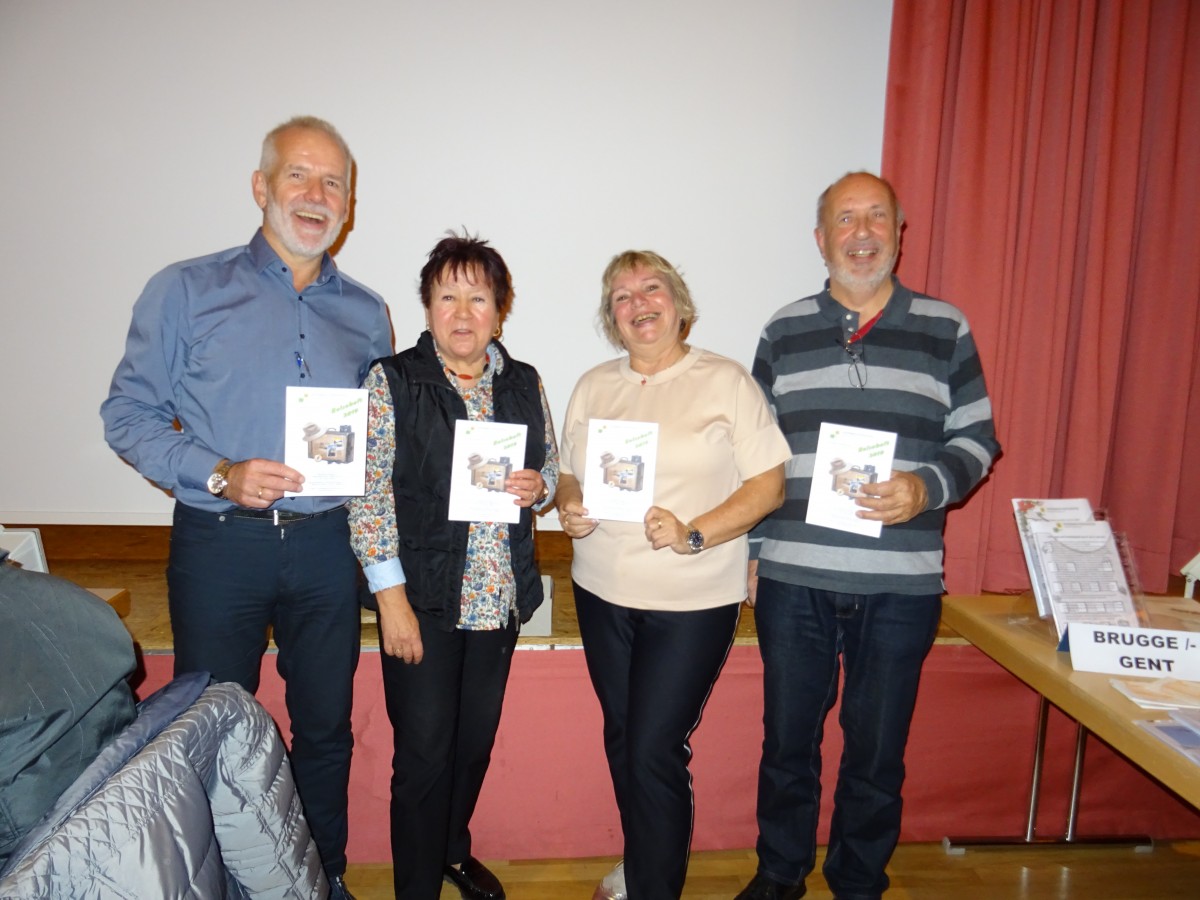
563 132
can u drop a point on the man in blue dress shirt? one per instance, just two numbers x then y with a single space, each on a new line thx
197 406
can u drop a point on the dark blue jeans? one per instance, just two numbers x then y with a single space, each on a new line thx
652 672
229 580
880 641
444 711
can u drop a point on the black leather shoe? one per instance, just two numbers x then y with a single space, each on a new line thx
338 889
763 888
475 881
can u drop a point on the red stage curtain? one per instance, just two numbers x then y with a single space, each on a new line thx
1047 155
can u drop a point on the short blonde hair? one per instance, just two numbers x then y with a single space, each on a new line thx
629 260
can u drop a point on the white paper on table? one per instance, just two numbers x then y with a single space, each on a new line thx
620 461
1175 735
1189 717
324 438
847 458
1146 694
1161 693
485 454
1085 578
1027 510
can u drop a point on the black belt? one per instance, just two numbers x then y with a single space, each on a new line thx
276 516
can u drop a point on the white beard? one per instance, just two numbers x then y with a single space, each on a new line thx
863 281
299 246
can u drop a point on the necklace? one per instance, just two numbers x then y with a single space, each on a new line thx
648 375
487 358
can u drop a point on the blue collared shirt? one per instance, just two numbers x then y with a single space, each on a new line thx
213 343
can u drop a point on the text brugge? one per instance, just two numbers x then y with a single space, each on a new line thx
1159 641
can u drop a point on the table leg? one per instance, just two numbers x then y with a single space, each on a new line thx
1141 843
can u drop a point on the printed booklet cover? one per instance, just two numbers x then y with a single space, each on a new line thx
1173 734
846 459
1026 511
324 430
1084 576
485 455
621 455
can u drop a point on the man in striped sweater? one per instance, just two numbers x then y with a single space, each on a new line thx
866 352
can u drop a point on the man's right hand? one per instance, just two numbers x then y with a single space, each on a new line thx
257 483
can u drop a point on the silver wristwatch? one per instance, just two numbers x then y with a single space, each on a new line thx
219 479
695 539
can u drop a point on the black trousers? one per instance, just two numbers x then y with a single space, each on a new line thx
229 579
653 672
444 713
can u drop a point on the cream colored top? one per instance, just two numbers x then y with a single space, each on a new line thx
715 431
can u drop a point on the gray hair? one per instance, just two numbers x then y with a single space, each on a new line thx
270 153
891 192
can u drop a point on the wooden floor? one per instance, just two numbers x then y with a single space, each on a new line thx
134 558
918 872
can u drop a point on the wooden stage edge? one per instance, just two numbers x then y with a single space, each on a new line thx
133 558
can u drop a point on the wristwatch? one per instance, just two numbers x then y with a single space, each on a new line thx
219 479
695 539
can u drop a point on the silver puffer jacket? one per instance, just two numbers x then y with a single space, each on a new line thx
194 800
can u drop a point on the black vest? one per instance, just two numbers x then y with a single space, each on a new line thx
432 549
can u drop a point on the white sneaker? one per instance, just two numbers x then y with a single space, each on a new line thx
613 885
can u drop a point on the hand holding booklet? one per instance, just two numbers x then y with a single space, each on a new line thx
621 457
846 459
485 455
324 429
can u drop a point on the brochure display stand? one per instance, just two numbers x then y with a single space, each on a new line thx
1079 579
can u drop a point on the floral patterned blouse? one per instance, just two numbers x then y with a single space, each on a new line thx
488 587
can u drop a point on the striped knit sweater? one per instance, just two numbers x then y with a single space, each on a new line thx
924 381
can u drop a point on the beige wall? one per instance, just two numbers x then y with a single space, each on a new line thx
563 132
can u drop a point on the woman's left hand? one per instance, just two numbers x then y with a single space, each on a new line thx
528 486
663 529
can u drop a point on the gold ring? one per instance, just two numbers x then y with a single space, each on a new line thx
260 493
